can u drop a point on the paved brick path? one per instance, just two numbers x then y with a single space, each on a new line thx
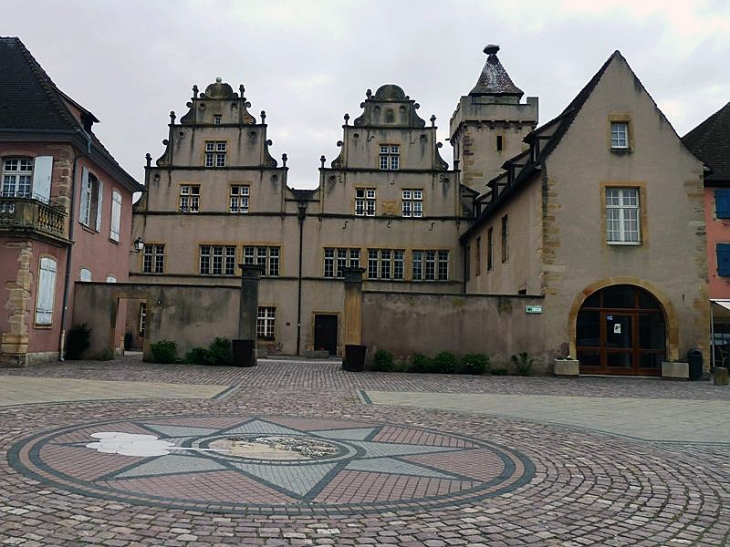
437 474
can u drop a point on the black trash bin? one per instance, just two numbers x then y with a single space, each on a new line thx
354 358
694 358
243 355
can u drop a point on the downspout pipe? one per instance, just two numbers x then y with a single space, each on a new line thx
301 215
69 254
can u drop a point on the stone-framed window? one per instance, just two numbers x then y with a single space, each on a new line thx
623 216
389 159
189 198
153 258
430 265
337 259
266 323
239 195
365 201
386 264
412 203
268 257
217 260
215 153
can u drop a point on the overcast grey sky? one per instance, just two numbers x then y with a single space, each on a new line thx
307 63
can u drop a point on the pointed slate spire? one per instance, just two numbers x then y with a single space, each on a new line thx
494 79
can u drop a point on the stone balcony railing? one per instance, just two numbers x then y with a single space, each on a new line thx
29 215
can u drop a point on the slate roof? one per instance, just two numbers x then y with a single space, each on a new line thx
494 79
28 98
546 139
32 105
710 142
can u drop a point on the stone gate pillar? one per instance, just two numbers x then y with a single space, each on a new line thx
244 348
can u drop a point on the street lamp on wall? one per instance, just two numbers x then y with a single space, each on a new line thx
138 245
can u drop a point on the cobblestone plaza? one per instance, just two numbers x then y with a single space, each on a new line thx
126 453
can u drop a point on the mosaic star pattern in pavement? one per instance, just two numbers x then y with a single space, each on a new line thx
367 467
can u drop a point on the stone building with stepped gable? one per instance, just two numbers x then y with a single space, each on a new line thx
582 237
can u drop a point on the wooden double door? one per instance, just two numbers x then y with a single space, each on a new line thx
621 330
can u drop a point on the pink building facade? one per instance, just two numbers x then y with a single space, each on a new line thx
65 210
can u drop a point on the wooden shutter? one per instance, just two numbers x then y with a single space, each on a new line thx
116 215
722 203
46 292
100 189
42 170
84 202
723 259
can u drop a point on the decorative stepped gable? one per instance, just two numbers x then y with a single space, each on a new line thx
389 111
389 107
218 106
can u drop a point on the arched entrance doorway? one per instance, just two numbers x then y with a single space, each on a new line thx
621 329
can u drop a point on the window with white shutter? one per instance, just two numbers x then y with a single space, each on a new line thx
90 206
116 215
99 195
42 171
46 292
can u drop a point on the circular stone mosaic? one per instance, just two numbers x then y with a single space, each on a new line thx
271 464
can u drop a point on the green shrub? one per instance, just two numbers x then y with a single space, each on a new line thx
220 352
78 341
401 365
197 356
500 371
445 363
164 351
523 363
382 361
474 363
420 363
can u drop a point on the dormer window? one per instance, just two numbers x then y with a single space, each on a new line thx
217 119
389 157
